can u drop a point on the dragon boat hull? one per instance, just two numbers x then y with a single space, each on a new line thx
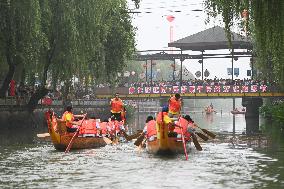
174 146
60 138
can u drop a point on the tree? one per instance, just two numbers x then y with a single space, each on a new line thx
19 33
266 26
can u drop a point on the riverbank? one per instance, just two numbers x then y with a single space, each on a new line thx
274 111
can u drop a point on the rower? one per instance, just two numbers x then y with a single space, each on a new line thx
69 118
150 128
163 118
116 107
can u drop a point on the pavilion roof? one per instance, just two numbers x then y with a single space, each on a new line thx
211 39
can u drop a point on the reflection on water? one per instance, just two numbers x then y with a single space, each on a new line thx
230 161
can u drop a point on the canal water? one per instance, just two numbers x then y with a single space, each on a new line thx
232 160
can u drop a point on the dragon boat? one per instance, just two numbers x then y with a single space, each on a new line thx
88 136
165 143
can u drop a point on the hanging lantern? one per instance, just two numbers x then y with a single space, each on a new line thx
170 18
145 65
173 65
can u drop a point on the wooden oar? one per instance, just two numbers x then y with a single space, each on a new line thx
43 135
107 140
184 146
139 139
195 142
204 137
212 135
115 141
128 138
74 136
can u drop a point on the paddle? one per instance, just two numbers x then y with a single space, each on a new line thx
43 135
74 136
115 141
204 137
184 146
107 140
195 142
139 139
212 135
128 138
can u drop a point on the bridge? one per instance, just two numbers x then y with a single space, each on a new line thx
190 92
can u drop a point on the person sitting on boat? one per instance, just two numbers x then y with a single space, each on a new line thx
150 128
174 105
243 109
116 107
236 110
184 126
164 121
69 118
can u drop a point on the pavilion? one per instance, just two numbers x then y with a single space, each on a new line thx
214 38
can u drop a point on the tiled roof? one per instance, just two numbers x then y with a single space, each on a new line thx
211 39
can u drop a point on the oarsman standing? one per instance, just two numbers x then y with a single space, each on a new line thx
175 105
117 106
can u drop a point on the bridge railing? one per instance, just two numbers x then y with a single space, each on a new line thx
187 89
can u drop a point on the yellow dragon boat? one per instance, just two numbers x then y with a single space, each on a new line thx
165 144
60 138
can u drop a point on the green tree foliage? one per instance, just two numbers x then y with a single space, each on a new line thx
266 26
274 111
19 33
62 39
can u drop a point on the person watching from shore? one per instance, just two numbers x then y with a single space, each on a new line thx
69 118
117 106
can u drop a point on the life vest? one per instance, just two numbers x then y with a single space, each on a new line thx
111 126
151 128
88 127
184 124
64 117
116 105
103 126
117 126
174 105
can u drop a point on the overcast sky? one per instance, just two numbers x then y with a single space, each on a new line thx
153 31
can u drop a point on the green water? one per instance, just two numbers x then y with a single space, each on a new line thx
230 161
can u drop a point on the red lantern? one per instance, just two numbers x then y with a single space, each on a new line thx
170 18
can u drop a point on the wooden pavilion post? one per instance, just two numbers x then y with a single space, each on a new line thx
202 54
146 70
232 64
151 72
181 60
